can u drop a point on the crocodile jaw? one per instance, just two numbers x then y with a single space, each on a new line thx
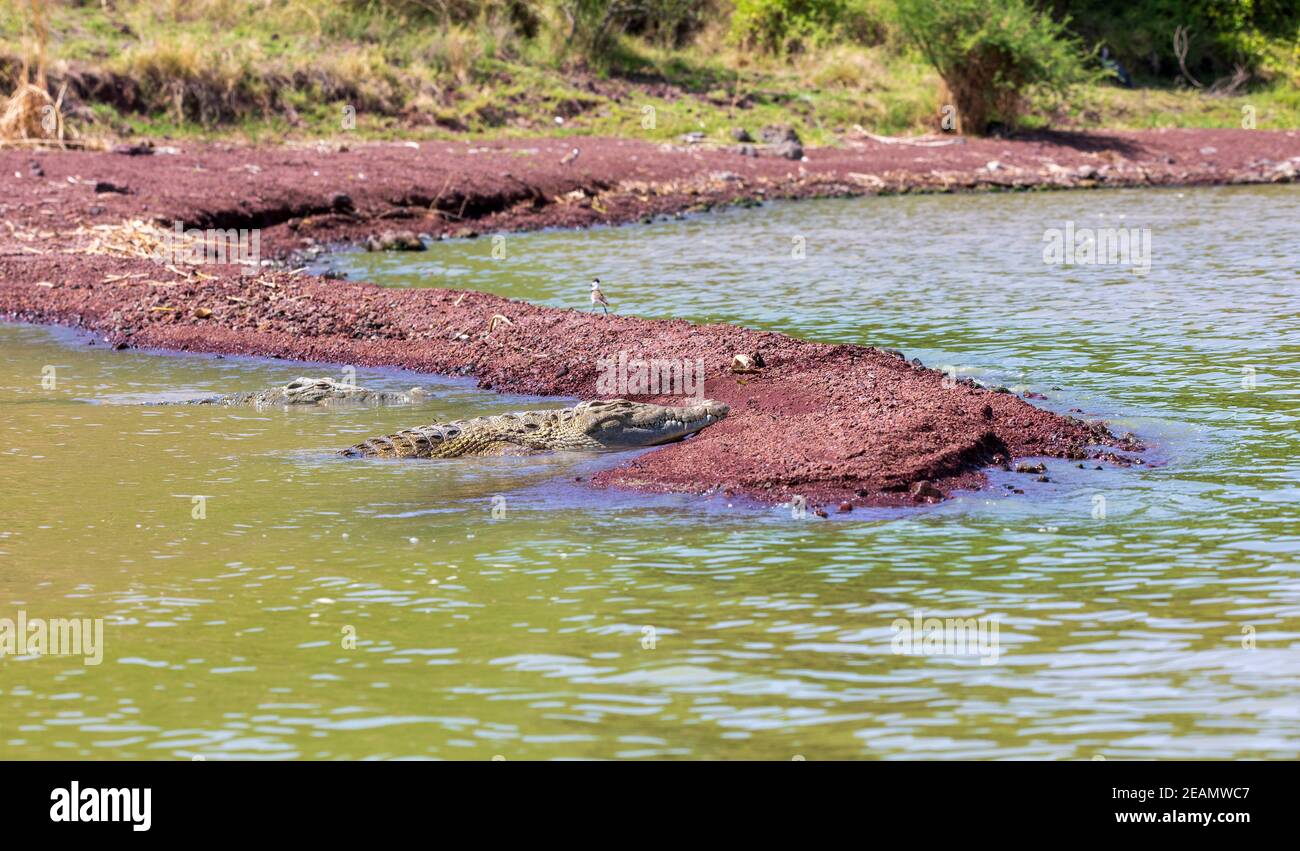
627 425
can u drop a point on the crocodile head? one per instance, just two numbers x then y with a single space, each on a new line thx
312 391
620 424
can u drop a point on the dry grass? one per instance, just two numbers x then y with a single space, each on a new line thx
140 240
132 238
31 118
848 68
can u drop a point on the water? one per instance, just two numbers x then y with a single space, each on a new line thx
1162 621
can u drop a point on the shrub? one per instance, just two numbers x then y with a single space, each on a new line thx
594 26
1224 34
788 26
993 55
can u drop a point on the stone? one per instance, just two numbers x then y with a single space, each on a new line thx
788 150
402 240
775 134
924 491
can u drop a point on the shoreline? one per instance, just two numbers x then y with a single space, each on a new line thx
839 425
305 199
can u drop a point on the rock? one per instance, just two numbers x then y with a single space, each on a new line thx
1031 468
694 137
775 134
788 150
987 412
740 134
1087 172
993 165
924 491
744 363
96 210
137 150
402 240
35 170
746 150
341 202
846 507
105 186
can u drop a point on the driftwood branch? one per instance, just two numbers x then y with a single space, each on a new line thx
1230 85
1180 50
903 140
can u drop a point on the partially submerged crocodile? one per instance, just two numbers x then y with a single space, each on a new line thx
587 426
311 391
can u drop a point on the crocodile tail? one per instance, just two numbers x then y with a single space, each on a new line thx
411 443
373 448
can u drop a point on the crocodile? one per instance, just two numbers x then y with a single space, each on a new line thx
588 426
311 391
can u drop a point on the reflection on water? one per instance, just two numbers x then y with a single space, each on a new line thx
327 608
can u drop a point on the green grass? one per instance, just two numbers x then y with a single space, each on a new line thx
266 71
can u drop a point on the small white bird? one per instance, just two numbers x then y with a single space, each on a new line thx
570 156
598 297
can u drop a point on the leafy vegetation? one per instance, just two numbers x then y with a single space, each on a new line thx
650 68
1260 36
993 55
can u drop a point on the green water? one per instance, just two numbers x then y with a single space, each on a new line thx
1168 627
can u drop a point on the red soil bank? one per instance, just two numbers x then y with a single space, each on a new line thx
831 423
439 188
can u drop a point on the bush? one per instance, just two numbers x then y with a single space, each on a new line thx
993 55
788 26
594 26
1223 33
